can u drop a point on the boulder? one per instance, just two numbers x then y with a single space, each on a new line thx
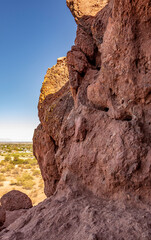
15 200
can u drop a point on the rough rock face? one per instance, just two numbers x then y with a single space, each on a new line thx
80 8
112 95
95 154
11 216
81 216
54 106
107 133
15 200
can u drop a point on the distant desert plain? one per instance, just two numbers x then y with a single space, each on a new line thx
19 171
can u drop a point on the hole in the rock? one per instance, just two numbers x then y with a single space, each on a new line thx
136 62
55 145
127 118
149 93
112 93
98 68
92 59
55 181
122 101
105 109
82 74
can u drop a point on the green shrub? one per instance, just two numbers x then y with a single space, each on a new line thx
15 171
31 161
2 163
24 177
9 167
3 170
28 184
7 158
27 166
26 181
16 157
36 172
17 160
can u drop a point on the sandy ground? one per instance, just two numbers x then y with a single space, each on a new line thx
36 194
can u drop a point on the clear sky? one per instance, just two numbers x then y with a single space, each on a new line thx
33 34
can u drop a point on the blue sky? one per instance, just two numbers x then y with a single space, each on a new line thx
33 34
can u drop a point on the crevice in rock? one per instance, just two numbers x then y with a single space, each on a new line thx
92 60
98 68
104 109
136 62
55 145
148 97
127 118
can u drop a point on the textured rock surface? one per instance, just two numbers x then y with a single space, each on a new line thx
11 216
52 112
80 8
113 96
15 200
81 217
95 155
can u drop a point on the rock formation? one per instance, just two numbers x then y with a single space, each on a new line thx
93 144
55 103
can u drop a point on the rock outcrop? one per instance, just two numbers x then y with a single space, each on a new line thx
93 144
55 104
55 79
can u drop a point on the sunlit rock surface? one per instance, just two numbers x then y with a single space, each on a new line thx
80 8
55 78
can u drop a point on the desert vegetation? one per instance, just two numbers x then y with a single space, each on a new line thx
19 170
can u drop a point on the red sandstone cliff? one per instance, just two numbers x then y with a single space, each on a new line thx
94 147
